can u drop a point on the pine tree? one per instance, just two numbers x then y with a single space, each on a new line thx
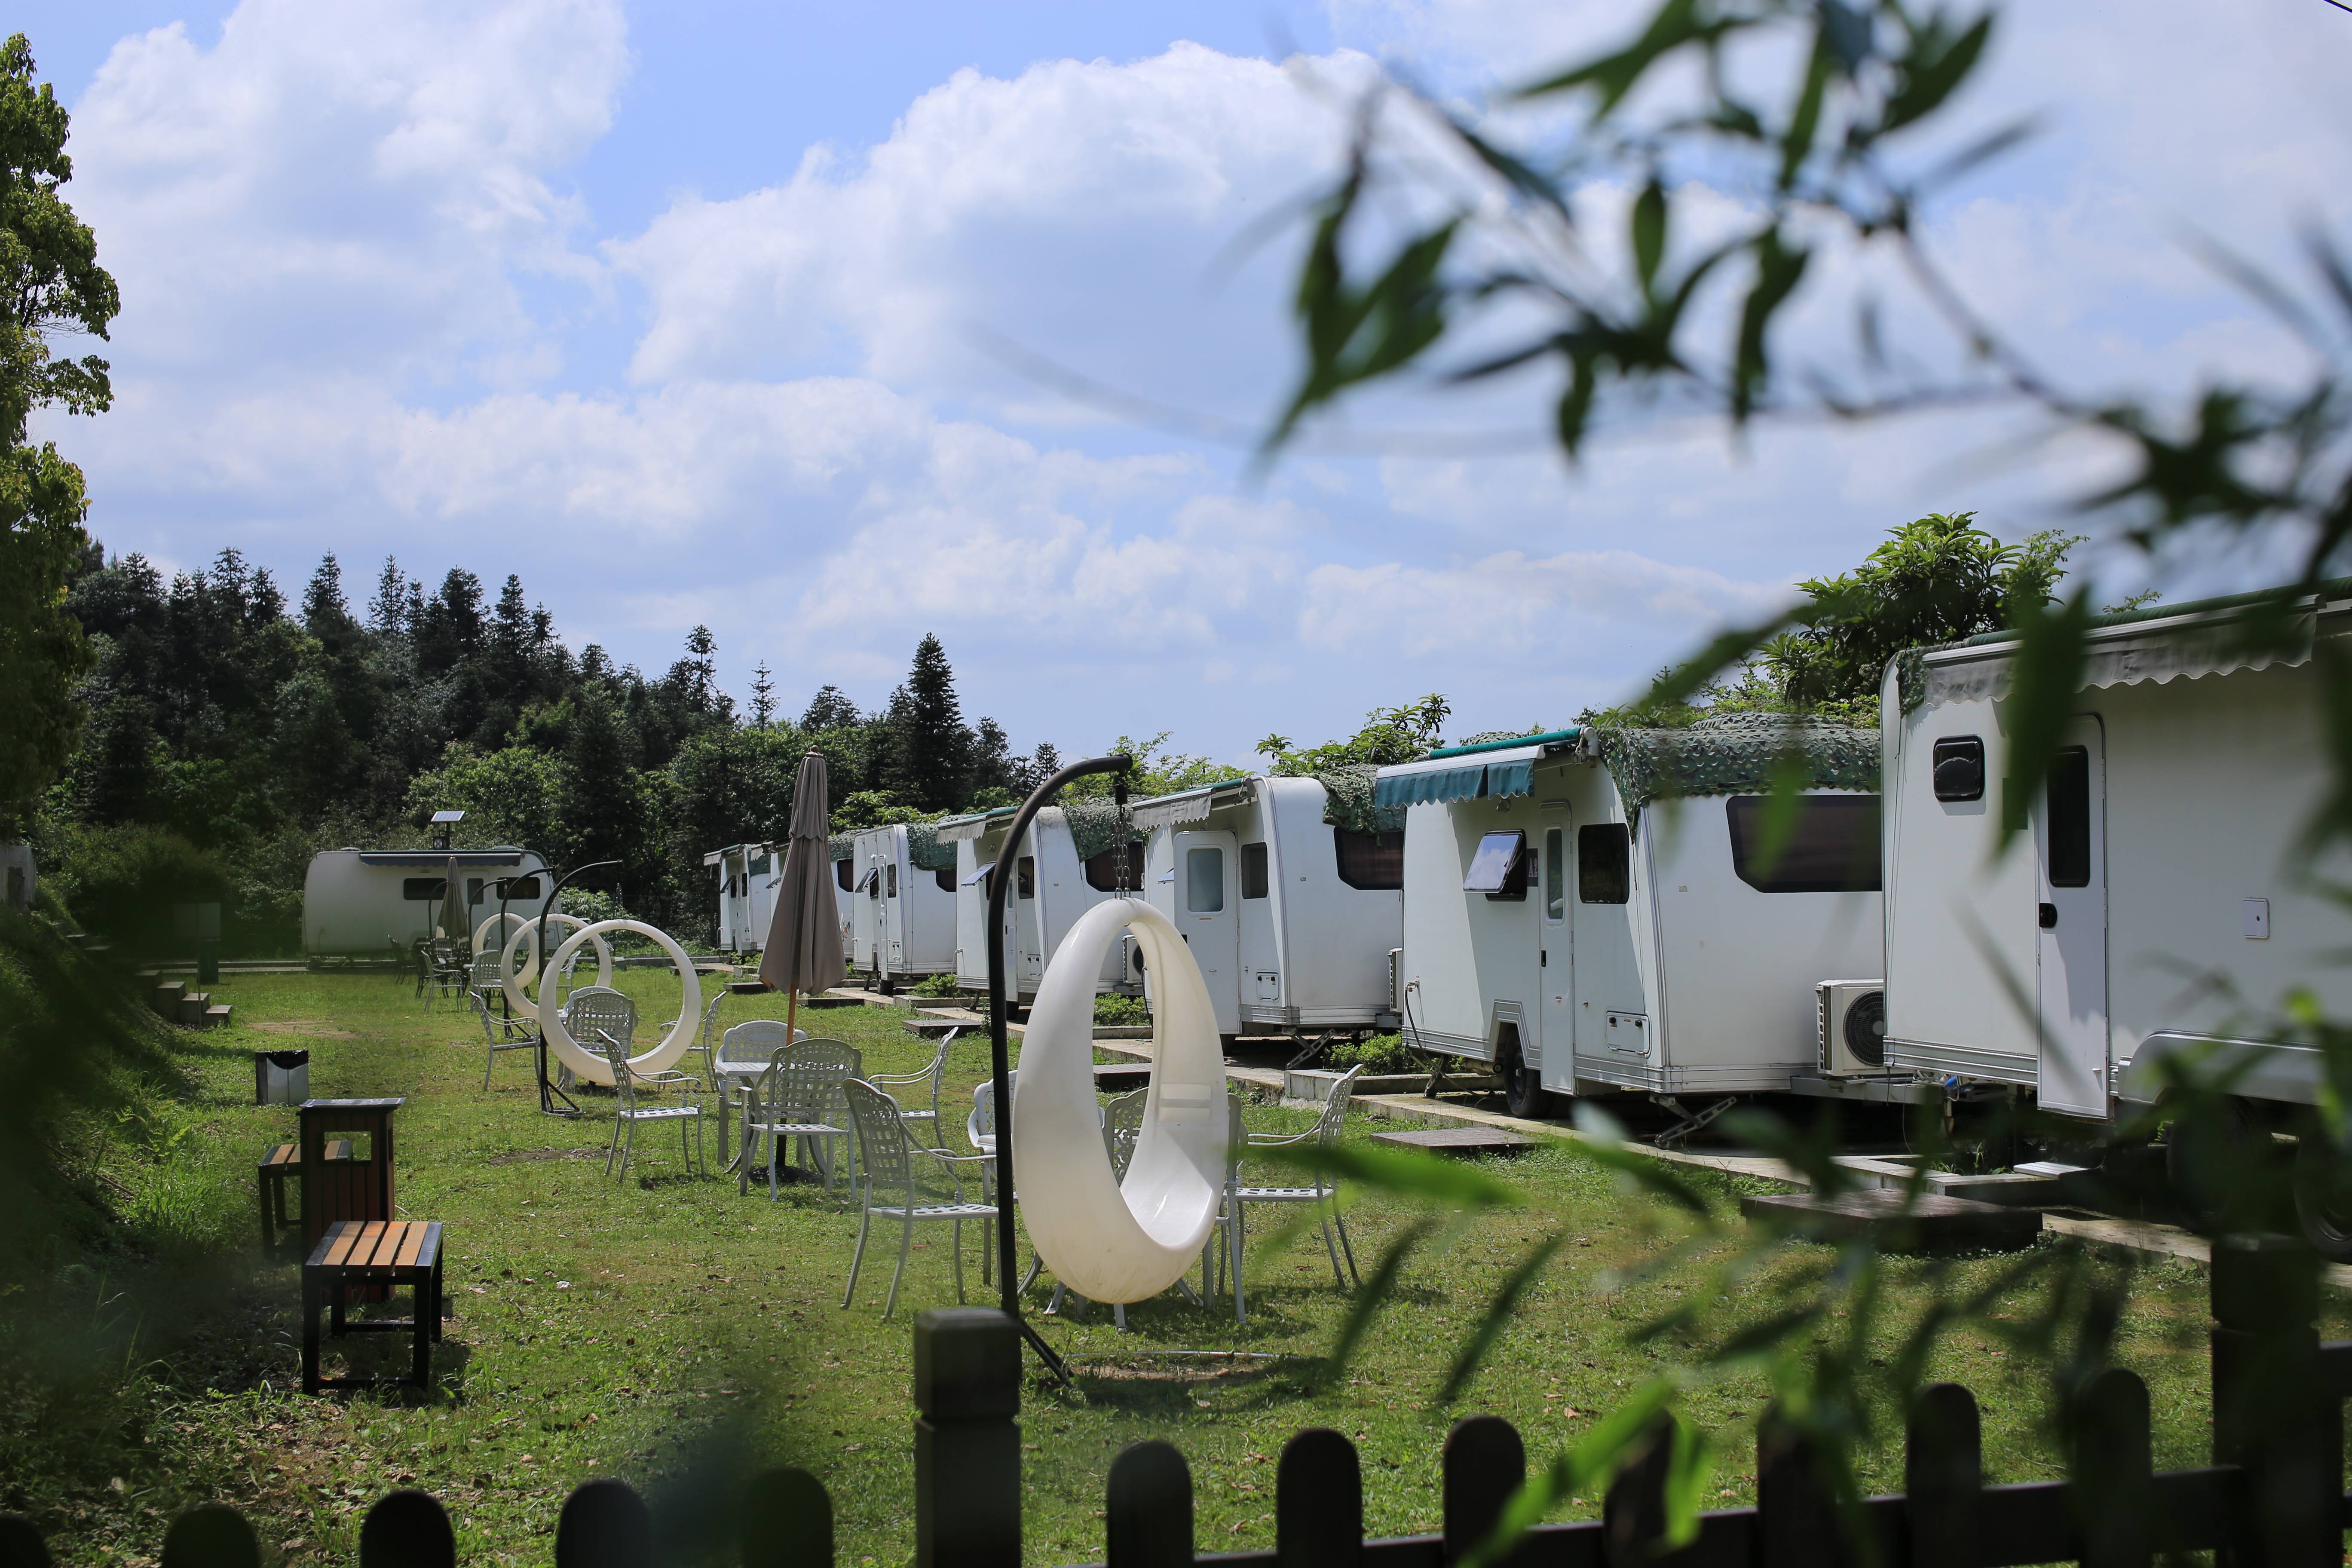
388 610
829 709
931 746
325 616
764 697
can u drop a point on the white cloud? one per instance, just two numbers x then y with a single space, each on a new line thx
365 187
1075 210
1508 605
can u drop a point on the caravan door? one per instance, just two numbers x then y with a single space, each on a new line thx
2070 842
1028 938
1555 961
1205 872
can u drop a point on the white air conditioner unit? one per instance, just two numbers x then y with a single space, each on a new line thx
1853 1029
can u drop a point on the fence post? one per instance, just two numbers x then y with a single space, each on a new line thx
21 1545
1148 1513
787 1521
1943 1472
407 1529
1485 1464
211 1535
967 1443
603 1525
1634 1512
1796 1515
2272 1412
1319 1502
2114 1492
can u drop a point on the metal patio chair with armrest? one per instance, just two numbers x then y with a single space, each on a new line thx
799 1096
420 964
450 965
629 1111
498 1034
910 1184
706 1036
924 1081
979 1132
595 1007
1323 1194
1122 1124
741 1054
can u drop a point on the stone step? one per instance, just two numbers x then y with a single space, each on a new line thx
216 1015
167 995
192 1008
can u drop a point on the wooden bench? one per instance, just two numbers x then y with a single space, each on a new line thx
276 1167
386 1254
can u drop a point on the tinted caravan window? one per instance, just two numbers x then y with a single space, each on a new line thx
1604 864
522 889
1024 876
945 878
2069 791
1205 880
421 890
842 872
1831 847
1119 870
1371 861
1254 874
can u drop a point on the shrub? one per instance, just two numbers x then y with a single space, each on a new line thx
1122 1012
122 883
1379 1054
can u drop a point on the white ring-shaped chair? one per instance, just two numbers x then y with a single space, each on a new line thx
1107 1239
591 1067
514 983
482 937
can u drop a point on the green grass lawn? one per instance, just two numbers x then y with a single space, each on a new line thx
666 1330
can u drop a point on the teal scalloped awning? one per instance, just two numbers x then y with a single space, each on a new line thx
1491 776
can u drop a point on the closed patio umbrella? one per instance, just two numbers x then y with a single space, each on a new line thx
804 951
453 906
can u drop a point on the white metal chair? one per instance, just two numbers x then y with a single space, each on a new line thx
896 1186
741 1054
704 1038
1122 1124
799 1096
1323 1194
628 1112
499 1034
896 1085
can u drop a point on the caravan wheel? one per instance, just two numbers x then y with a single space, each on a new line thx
2323 1196
1524 1094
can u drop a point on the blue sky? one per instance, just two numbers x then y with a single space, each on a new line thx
684 313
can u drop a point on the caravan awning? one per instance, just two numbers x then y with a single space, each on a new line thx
1488 775
1192 804
956 829
440 860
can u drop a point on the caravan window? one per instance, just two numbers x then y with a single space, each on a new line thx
1831 847
1118 869
2069 794
473 889
1555 873
1024 882
945 878
521 888
890 881
1254 878
1372 861
1959 767
1205 880
1499 868
421 889
843 871
1604 864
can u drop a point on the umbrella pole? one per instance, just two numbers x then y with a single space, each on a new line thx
1007 1252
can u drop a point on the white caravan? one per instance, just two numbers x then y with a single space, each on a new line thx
357 901
902 914
844 846
1290 913
1600 912
2158 903
1070 862
747 874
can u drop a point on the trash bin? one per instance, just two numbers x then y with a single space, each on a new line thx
281 1078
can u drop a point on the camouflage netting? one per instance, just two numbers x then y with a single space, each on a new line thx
1095 826
924 848
1735 754
844 845
1348 799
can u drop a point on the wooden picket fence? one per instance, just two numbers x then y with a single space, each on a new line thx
2273 1498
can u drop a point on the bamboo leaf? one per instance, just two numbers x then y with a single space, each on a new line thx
1932 69
2042 688
1407 1171
1649 234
